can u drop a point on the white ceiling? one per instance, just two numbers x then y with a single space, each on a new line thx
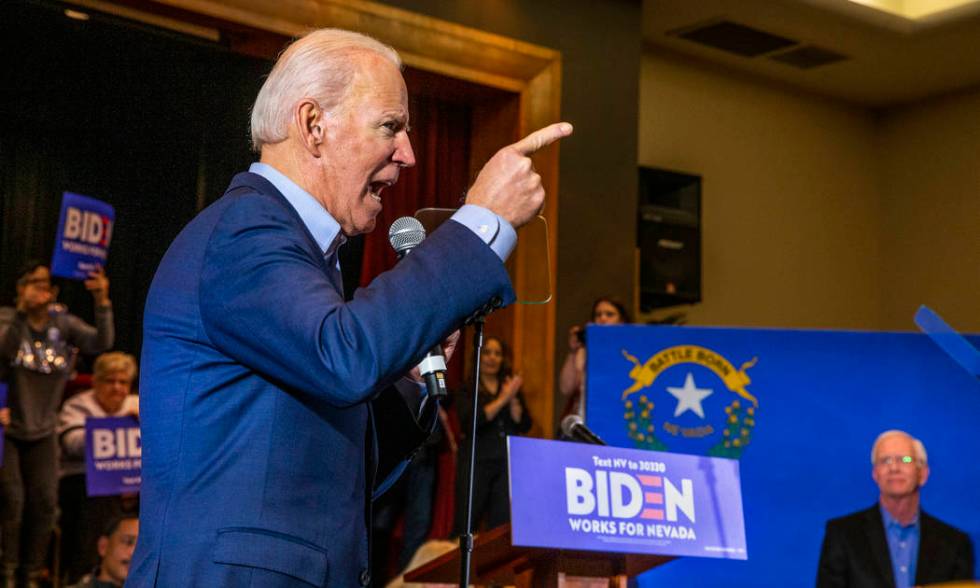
892 59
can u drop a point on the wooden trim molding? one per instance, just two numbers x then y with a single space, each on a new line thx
532 72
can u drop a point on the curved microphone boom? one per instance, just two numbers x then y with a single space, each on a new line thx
574 427
405 234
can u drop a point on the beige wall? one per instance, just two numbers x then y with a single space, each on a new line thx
930 210
816 213
789 195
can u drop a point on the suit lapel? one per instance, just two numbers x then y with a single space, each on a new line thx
874 531
930 549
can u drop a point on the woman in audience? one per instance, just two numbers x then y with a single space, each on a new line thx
83 518
501 411
571 382
38 341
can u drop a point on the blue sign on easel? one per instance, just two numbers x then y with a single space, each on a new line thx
800 411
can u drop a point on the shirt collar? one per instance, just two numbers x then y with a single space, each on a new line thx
324 228
891 521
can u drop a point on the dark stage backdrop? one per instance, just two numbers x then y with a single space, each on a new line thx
156 124
153 123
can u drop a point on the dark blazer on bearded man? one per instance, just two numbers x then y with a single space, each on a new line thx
855 552
259 454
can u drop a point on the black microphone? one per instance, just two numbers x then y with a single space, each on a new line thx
405 234
575 428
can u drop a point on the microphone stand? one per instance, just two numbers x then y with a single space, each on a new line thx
477 320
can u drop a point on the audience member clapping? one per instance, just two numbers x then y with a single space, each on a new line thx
501 412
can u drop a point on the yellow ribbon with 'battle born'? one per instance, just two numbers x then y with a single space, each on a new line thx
643 375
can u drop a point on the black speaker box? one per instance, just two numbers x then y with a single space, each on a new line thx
669 238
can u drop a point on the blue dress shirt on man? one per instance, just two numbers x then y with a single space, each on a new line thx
903 544
864 550
259 452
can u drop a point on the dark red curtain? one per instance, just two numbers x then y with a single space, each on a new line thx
441 137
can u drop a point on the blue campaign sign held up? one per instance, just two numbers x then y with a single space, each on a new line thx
113 456
84 231
610 499
800 411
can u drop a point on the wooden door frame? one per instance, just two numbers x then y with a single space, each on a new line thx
532 72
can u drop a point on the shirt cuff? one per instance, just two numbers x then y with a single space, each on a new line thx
490 228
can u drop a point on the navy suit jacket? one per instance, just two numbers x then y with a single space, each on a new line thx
855 552
258 454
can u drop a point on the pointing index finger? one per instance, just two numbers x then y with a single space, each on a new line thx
542 138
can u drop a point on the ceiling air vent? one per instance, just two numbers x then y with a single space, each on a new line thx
808 57
734 38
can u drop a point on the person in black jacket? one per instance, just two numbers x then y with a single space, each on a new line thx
501 412
894 543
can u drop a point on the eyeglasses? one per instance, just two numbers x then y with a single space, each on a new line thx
40 283
887 460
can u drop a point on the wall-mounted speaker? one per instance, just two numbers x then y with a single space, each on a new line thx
669 238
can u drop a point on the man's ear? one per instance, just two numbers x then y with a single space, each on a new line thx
103 545
923 474
309 119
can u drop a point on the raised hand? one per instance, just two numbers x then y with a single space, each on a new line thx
575 338
511 386
508 185
98 284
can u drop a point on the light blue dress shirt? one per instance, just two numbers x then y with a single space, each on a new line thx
490 228
903 545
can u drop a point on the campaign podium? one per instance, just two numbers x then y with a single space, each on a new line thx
496 561
582 512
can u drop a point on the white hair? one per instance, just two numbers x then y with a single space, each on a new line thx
917 447
319 65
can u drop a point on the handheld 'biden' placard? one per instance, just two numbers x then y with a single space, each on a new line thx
84 231
113 456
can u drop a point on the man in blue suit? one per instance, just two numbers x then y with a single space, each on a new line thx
259 448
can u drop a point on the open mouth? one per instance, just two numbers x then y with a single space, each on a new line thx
377 187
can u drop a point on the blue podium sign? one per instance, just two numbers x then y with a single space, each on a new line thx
590 497
799 410
84 231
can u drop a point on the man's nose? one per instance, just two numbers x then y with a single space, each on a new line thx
404 155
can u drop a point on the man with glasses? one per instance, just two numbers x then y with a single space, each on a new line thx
894 543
